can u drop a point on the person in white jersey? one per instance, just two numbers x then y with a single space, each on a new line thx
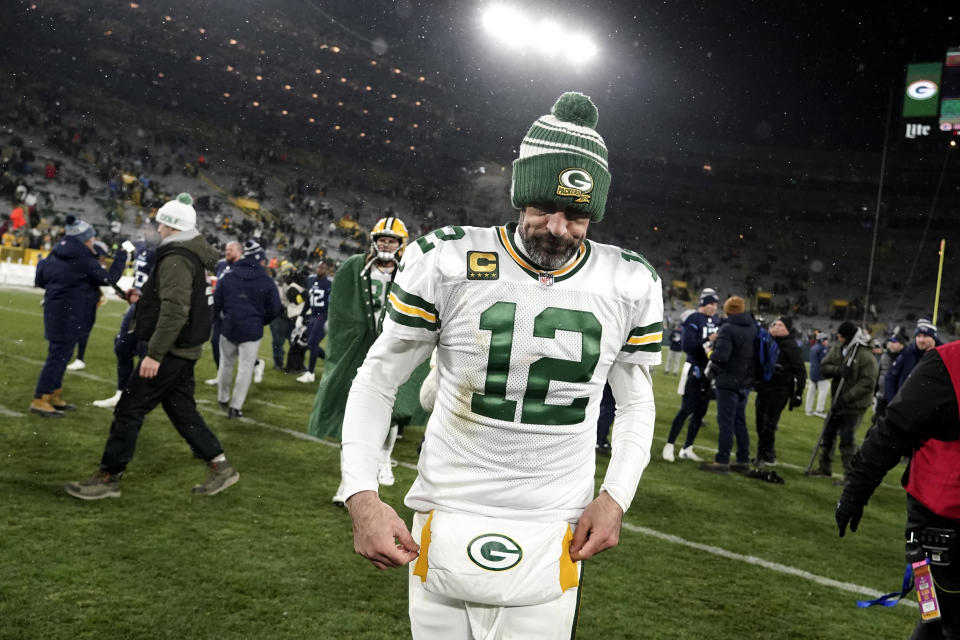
529 320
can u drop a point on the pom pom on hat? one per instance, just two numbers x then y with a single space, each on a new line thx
79 229
576 108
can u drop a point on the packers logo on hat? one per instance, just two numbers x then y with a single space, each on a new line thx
575 183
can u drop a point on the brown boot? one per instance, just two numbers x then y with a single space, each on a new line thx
59 403
42 407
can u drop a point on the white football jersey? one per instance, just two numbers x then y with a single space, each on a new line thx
523 356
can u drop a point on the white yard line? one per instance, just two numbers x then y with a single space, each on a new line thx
10 413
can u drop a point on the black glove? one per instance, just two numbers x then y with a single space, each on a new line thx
846 372
795 401
848 513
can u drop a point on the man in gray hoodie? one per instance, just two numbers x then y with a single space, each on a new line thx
173 318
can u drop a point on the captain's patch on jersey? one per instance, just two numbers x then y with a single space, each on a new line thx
482 265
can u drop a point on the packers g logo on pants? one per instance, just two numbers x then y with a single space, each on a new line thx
494 552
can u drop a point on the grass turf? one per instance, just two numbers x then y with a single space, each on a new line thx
272 557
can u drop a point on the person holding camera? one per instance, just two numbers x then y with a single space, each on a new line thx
785 387
922 422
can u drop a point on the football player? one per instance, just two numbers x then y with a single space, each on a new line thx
315 315
125 344
357 308
529 320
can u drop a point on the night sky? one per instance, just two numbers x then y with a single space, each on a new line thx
805 74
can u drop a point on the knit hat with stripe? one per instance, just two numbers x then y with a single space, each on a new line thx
563 160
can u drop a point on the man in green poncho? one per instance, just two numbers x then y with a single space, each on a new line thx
357 306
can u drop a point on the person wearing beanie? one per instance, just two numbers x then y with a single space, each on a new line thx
314 317
732 368
172 318
783 389
245 300
232 252
529 320
699 332
924 338
892 350
819 388
71 277
852 371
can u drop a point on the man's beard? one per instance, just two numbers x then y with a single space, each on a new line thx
548 251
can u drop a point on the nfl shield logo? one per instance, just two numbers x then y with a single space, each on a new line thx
546 279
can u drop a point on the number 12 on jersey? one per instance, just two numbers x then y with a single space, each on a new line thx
499 319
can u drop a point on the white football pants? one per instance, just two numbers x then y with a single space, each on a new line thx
434 617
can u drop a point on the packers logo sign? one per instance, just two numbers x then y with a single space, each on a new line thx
482 265
494 552
575 183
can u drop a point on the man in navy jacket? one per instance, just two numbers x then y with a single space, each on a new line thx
71 277
925 338
245 300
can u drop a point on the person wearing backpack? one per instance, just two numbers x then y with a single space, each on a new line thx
784 387
733 364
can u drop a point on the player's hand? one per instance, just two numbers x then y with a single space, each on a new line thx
149 367
597 529
848 513
379 535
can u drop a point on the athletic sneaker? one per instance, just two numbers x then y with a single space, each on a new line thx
687 454
385 474
307 377
77 365
100 485
820 414
108 403
258 370
234 413
604 448
668 452
211 382
220 475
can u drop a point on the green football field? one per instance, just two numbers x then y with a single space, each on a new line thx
700 555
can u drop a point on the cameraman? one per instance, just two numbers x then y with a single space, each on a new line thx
922 421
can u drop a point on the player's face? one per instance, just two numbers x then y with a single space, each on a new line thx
778 329
387 244
709 309
550 237
925 342
322 269
232 252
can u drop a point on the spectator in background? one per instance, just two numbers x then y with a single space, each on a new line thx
819 387
231 253
699 332
100 250
851 362
173 318
125 344
315 316
732 366
924 339
71 277
891 352
245 300
675 354
783 389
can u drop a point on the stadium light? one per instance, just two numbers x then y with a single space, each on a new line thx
519 32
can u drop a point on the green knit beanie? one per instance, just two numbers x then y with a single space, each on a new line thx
563 160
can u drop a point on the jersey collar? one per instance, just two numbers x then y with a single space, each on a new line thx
505 235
